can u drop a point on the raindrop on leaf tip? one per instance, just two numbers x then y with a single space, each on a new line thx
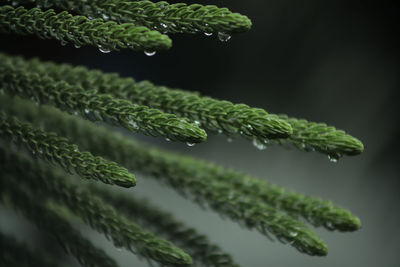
149 53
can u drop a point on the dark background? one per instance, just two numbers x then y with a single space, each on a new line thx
331 61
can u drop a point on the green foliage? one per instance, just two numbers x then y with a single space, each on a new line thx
211 114
16 254
45 196
99 215
164 224
224 191
16 196
95 106
162 16
79 30
55 149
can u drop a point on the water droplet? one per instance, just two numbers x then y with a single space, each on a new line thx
133 125
259 145
190 144
164 27
249 127
149 53
223 37
229 140
104 50
293 233
329 225
333 158
208 33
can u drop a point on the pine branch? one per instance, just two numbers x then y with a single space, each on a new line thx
311 136
161 16
211 114
44 90
79 30
125 151
98 214
164 224
202 188
16 254
48 221
52 148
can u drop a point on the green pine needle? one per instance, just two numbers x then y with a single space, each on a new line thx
164 224
45 181
94 106
16 196
52 148
80 31
201 188
16 254
161 16
311 136
211 114
124 150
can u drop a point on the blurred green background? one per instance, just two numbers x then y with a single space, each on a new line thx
327 61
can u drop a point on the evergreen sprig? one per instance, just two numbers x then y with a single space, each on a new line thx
181 174
161 16
311 136
52 148
164 224
17 196
16 254
94 106
79 30
98 214
211 114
